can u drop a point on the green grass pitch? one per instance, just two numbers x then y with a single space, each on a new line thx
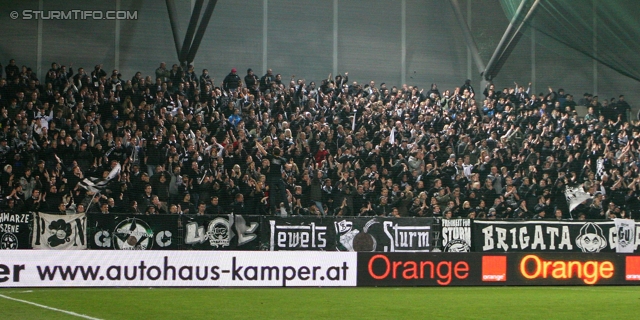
328 303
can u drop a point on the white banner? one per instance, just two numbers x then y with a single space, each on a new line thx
456 235
626 235
59 232
29 268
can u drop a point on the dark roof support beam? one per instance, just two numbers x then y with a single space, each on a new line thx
516 37
175 28
202 27
193 23
468 37
510 38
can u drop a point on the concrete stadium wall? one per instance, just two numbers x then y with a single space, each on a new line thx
393 41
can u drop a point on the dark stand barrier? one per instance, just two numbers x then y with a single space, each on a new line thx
223 232
237 232
305 233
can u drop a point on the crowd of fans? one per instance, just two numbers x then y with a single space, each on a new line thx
269 145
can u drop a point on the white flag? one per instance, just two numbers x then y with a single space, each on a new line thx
59 232
392 138
95 186
626 230
114 172
353 125
600 168
575 196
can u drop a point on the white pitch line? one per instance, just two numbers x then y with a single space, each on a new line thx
50 308
589 289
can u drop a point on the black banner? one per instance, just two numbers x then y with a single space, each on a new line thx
456 235
375 234
134 232
221 232
472 269
15 229
541 236
298 233
380 234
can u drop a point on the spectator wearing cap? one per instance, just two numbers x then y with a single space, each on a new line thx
151 210
232 81
522 212
540 215
491 214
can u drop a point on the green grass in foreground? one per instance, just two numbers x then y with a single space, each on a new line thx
342 303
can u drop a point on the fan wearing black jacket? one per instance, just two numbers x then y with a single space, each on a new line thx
252 82
277 188
231 81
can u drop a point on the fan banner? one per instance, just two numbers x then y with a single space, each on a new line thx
456 235
222 232
134 232
372 234
15 230
59 232
542 236
626 230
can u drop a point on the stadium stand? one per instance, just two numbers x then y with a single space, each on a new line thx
176 142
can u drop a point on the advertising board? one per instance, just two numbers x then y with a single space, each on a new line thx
520 269
28 268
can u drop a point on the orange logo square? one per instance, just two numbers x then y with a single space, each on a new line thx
633 268
494 268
